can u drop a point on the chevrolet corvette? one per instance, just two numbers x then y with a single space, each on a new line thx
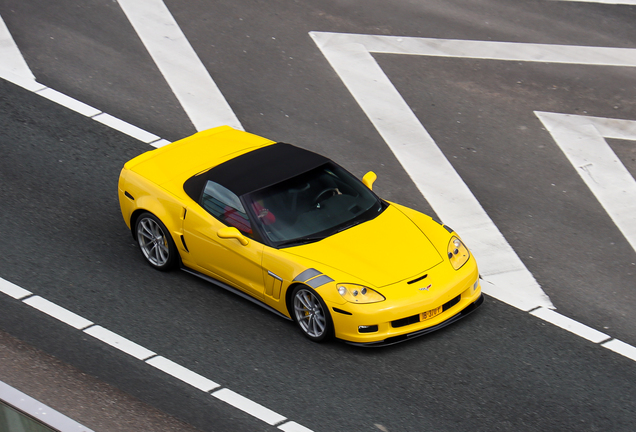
296 233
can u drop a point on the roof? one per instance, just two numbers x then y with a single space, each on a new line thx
257 169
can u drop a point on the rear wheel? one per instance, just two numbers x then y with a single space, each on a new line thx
155 242
311 314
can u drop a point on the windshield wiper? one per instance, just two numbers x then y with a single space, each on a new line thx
301 240
351 225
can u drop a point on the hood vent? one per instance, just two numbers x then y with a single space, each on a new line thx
418 279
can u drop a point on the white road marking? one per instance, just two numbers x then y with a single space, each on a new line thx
119 342
506 277
570 325
621 348
160 143
58 312
582 139
126 128
484 50
183 70
12 290
293 427
183 374
611 2
150 357
68 102
248 406
26 83
11 58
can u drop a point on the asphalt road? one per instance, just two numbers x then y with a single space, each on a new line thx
62 236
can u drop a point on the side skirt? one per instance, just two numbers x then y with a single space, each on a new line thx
234 290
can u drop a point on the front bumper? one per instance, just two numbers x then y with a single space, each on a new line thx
391 340
401 317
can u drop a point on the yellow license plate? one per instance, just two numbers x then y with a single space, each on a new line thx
430 314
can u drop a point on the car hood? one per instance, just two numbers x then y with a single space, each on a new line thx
380 252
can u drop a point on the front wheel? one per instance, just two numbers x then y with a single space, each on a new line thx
155 242
311 314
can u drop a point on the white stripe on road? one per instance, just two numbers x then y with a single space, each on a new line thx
11 59
506 276
151 358
293 427
484 50
119 342
611 2
126 128
183 70
248 406
570 325
183 374
58 312
12 290
621 348
582 139
68 102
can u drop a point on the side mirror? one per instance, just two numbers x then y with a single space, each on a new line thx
233 233
368 179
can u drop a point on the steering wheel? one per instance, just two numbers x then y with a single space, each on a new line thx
323 195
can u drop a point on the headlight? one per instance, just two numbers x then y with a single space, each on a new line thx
359 294
457 253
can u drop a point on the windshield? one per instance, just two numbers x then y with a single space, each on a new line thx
312 206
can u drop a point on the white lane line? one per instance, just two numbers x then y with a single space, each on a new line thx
610 2
126 128
68 102
36 409
150 357
183 374
12 290
621 348
190 81
483 50
119 342
506 275
11 58
26 83
293 427
248 406
570 325
160 143
582 139
58 312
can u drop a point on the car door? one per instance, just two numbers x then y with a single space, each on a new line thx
226 259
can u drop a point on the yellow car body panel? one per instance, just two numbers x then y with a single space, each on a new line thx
401 253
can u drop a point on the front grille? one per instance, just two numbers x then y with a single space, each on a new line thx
416 318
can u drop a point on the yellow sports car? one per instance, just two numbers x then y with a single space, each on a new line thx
299 235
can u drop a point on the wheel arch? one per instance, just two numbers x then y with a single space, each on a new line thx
288 297
149 204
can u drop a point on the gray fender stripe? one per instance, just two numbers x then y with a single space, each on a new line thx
306 275
319 281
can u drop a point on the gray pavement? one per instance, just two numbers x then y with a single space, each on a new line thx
500 369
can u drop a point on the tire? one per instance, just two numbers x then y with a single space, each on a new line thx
311 314
155 242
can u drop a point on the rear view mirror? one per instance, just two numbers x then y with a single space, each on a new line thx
368 179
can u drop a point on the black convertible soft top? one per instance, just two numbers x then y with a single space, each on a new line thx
257 169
